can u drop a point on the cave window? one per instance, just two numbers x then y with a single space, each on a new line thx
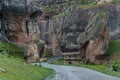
46 39
0 24
47 24
71 41
27 30
35 20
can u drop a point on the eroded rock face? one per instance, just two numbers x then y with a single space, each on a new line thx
94 50
32 53
95 39
35 21
14 27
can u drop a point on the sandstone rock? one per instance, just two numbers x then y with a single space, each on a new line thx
103 1
32 53
43 59
94 41
2 70
35 21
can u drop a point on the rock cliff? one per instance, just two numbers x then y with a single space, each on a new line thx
95 39
58 25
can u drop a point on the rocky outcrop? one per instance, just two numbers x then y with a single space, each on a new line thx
56 23
2 70
94 41
103 1
32 53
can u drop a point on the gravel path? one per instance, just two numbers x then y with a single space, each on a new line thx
77 73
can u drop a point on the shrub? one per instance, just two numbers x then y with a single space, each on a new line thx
47 53
115 67
11 49
61 14
40 46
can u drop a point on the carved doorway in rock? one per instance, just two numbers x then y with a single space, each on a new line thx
70 44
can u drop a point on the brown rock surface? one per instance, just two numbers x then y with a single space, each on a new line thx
58 26
93 48
32 53
103 1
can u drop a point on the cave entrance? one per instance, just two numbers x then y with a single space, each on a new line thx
70 50
83 50
70 44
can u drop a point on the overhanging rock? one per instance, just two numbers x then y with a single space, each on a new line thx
94 41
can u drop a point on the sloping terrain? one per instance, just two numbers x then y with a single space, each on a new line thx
17 69
14 67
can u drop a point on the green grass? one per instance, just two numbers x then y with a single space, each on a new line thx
114 51
17 70
90 5
61 14
55 7
115 1
114 47
11 49
11 59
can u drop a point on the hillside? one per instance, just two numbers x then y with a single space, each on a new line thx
114 51
16 68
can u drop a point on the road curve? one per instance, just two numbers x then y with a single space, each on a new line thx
77 73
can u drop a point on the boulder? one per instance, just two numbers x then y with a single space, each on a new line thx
103 1
2 70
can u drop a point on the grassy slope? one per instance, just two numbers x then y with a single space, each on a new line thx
114 47
16 69
12 49
116 1
114 50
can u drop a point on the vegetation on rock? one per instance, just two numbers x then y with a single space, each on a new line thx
61 14
47 53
